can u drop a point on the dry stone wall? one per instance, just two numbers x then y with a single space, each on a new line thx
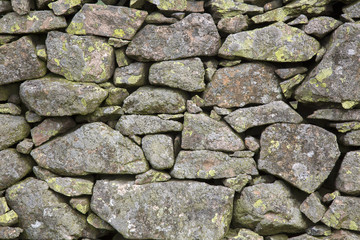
180 119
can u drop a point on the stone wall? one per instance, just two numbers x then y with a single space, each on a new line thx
180 120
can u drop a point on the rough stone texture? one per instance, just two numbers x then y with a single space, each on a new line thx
5 6
43 214
12 130
202 132
82 204
3 206
152 176
352 10
51 127
344 212
343 234
13 68
335 78
9 108
167 210
22 7
234 24
133 75
98 223
274 112
65 7
80 58
246 234
159 150
121 59
14 166
228 8
348 177
185 74
10 232
34 22
107 21
346 126
303 154
92 148
243 84
289 86
70 187
278 43
336 114
170 5
237 183
206 164
285 73
116 96
321 26
195 35
351 138
140 125
268 209
159 18
25 146
43 174
312 208
102 114
150 100
319 230
54 96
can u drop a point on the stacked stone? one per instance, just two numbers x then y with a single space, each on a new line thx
180 119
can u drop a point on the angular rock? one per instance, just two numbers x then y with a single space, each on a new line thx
343 234
152 176
336 114
321 26
121 59
303 237
107 21
10 108
9 219
195 35
71 187
159 150
285 73
246 234
251 143
66 7
274 112
312 208
289 86
319 230
234 24
102 114
98 223
34 22
268 209
237 183
92 148
44 214
352 10
351 138
54 96
133 75
159 18
202 132
169 5
80 58
195 6
118 43
191 107
12 130
336 77
167 210
51 127
229 63
25 146
4 208
43 174
204 164
32 117
13 68
82 204
22 7
229 8
243 84
301 154
140 125
346 126
150 100
348 177
329 197
277 43
116 96
185 74
242 154
343 213
10 232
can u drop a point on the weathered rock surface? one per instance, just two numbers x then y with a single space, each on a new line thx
185 74
303 154
234 24
152 176
243 84
140 125
343 213
321 26
65 7
10 232
25 146
133 75
54 96
195 35
43 214
150 100
274 112
228 8
92 148
159 150
336 114
34 22
352 10
335 78
82 204
202 132
312 208
9 108
13 68
107 21
277 43
168 210
14 166
12 130
169 5
348 178
268 209
237 183
206 164
22 7
70 187
351 138
285 73
80 58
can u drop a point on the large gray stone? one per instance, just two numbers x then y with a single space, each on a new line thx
167 210
195 35
277 43
336 114
80 58
92 148
159 150
13 129
18 61
348 179
301 154
54 96
44 214
14 166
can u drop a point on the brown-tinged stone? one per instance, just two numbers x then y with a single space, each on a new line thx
133 75
159 18
170 5
313 208
234 24
194 6
321 26
22 7
25 146
10 232
243 84
252 143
